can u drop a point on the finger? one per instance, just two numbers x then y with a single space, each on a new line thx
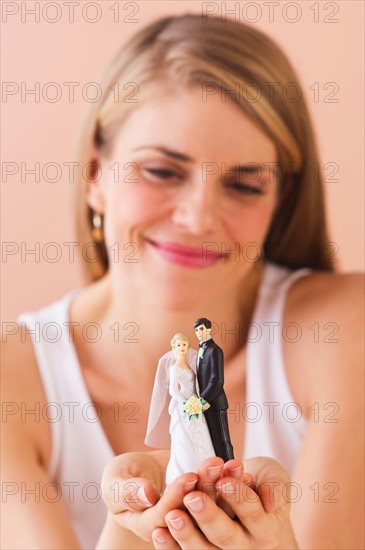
210 471
138 494
163 540
270 481
128 482
263 527
233 468
218 528
214 468
134 494
143 523
185 533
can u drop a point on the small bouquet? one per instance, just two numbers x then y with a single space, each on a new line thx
194 406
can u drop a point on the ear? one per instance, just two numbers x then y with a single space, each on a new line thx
94 190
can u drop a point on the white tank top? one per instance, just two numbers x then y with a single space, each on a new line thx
80 449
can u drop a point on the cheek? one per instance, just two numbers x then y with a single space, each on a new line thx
131 206
251 224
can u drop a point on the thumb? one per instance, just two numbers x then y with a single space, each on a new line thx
270 481
130 481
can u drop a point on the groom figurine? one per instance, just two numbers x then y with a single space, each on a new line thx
210 374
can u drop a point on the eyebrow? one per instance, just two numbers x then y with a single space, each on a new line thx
249 168
168 152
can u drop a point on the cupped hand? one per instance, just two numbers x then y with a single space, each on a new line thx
257 493
132 484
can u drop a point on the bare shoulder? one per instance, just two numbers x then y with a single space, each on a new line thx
327 311
22 394
322 292
325 370
18 363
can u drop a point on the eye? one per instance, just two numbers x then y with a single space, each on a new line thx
162 173
244 188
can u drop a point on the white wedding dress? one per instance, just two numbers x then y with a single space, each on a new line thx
191 443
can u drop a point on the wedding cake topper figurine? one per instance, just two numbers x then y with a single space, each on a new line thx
188 412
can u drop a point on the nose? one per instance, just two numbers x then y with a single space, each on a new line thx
196 208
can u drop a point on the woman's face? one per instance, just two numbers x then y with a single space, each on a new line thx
181 347
185 221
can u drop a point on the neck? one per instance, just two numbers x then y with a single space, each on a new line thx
181 361
138 331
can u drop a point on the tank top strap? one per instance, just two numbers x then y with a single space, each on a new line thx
269 310
276 424
69 404
280 278
49 330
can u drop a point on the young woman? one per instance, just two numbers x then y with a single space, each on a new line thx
201 199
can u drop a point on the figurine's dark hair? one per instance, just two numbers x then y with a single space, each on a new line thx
188 50
203 321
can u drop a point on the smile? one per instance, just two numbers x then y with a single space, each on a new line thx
185 255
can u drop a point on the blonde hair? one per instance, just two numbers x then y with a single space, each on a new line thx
186 50
179 336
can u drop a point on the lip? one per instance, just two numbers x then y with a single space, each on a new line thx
183 255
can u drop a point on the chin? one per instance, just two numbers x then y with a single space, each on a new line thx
178 290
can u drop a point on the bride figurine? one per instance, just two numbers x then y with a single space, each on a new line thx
176 419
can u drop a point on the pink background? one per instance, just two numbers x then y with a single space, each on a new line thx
31 212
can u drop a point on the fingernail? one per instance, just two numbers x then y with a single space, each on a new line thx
143 497
160 539
213 471
228 488
176 523
196 504
189 485
236 471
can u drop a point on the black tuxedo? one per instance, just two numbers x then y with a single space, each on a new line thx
210 374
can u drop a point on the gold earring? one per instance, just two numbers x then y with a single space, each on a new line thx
97 230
